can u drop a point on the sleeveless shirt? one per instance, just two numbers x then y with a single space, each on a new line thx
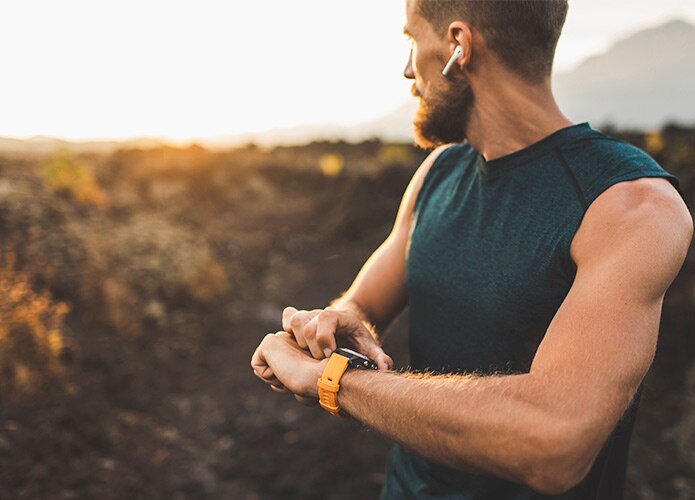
488 265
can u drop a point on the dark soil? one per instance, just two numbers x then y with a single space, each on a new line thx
158 399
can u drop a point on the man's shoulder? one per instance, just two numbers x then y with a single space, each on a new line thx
599 162
645 207
599 152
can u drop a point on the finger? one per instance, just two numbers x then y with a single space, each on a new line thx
384 362
297 319
279 389
326 325
310 331
306 401
258 361
298 322
267 379
267 374
287 314
371 349
270 380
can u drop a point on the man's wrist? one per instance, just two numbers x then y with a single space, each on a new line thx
316 373
351 380
351 377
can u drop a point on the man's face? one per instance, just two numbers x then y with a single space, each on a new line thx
445 102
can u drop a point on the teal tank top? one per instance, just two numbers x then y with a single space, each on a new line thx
488 265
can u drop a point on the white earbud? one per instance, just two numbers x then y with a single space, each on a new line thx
457 53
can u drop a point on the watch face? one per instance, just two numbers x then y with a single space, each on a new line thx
355 359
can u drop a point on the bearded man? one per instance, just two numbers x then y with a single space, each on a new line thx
533 254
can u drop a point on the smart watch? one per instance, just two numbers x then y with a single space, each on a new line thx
328 384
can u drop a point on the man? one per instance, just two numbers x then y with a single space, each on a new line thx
533 255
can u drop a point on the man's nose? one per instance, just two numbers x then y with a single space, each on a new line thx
408 71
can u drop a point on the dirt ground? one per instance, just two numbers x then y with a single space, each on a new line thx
172 410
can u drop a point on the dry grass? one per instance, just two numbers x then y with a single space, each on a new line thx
31 338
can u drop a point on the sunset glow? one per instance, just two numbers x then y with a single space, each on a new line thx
88 70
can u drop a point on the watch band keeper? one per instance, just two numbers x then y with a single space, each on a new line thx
327 386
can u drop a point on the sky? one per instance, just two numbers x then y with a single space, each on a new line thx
101 69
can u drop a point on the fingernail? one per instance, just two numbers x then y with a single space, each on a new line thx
327 352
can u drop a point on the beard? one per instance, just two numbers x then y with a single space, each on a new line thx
443 117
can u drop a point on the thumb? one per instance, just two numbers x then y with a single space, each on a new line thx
382 360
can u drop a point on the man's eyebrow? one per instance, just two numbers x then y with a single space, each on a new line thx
406 32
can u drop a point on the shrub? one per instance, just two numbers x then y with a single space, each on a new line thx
65 175
31 339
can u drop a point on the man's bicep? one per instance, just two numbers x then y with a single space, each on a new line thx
602 339
628 249
598 345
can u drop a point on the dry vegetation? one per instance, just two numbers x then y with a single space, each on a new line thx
134 286
31 339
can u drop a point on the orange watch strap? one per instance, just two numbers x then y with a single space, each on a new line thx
328 384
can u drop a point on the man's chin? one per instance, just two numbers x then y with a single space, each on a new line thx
421 138
422 141
429 135
441 122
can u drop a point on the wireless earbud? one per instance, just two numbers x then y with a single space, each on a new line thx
457 53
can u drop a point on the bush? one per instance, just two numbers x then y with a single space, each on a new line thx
31 339
65 175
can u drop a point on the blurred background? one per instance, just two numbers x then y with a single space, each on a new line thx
172 175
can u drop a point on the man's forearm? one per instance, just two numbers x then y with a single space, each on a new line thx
494 425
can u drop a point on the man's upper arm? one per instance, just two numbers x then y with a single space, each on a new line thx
379 288
630 246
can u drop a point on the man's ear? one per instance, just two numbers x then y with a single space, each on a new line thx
459 33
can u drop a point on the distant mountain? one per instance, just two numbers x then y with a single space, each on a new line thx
642 81
395 126
42 145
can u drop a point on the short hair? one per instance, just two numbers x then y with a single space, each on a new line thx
522 33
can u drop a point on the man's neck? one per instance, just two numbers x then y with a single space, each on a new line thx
510 116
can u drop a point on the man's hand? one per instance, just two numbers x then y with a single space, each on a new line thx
286 367
321 330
